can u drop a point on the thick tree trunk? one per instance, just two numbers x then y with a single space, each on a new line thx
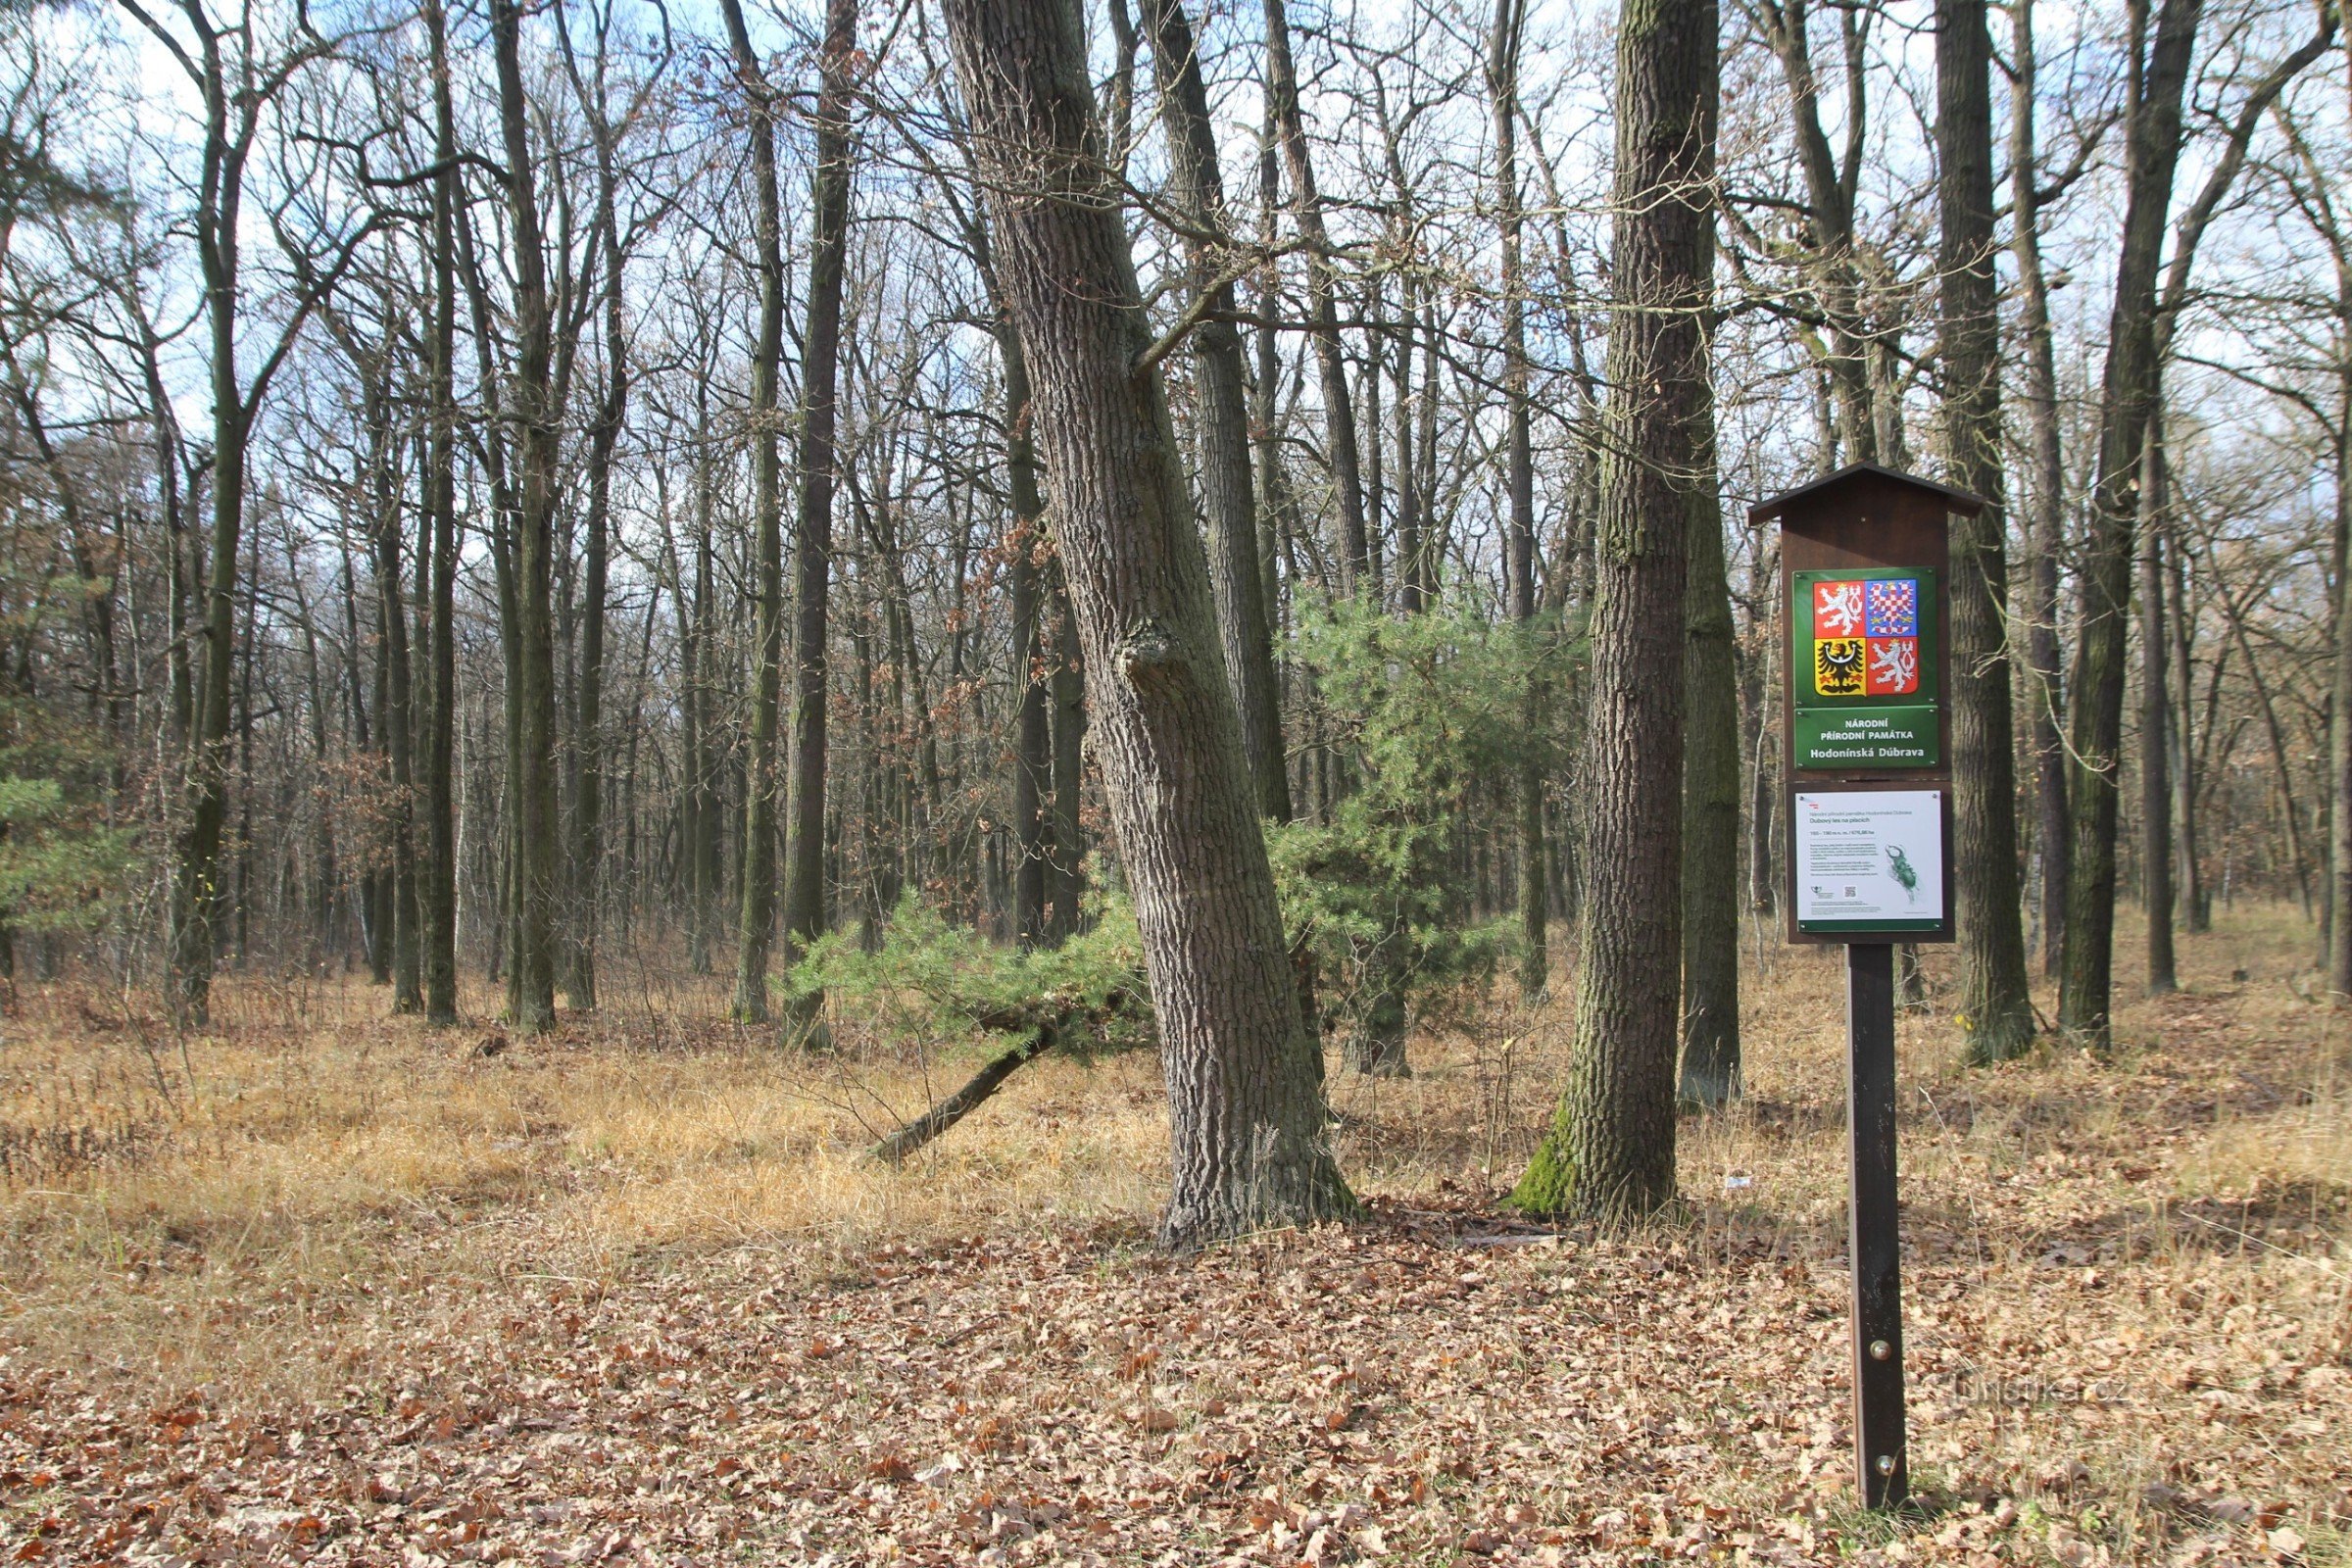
813 537
1246 1112
1993 990
2127 396
756 929
1198 189
1610 1150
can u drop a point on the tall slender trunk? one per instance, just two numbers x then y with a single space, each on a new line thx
1830 193
1519 480
1246 1112
1993 989
2127 401
2047 521
196 855
438 886
1330 359
812 538
757 928
1712 1066
587 747
1198 189
1611 1148
2155 721
2196 900
1069 772
396 707
1033 760
534 812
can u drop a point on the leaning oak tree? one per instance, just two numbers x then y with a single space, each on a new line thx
1246 1110
1610 1150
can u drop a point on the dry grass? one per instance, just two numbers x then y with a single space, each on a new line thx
2130 1281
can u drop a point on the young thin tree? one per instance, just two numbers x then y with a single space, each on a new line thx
1610 1148
1246 1110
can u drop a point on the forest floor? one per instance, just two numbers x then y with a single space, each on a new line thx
321 1286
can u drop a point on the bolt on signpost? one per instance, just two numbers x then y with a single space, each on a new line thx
1866 792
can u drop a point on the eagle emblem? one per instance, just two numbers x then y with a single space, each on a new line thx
1840 667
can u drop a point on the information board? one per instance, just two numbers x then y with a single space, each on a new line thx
1868 860
1865 645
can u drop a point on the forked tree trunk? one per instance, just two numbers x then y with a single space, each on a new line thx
1246 1113
1610 1150
1993 995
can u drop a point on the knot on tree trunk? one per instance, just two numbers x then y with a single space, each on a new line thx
1151 651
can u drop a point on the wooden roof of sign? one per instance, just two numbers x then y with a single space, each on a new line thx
1824 487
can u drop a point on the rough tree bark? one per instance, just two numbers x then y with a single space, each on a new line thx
1246 1112
1610 1148
1993 990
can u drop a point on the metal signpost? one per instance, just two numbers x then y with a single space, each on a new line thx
1866 742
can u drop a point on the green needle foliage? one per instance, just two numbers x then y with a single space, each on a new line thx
1426 712
933 982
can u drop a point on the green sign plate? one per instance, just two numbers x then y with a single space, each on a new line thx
1862 649
1845 739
